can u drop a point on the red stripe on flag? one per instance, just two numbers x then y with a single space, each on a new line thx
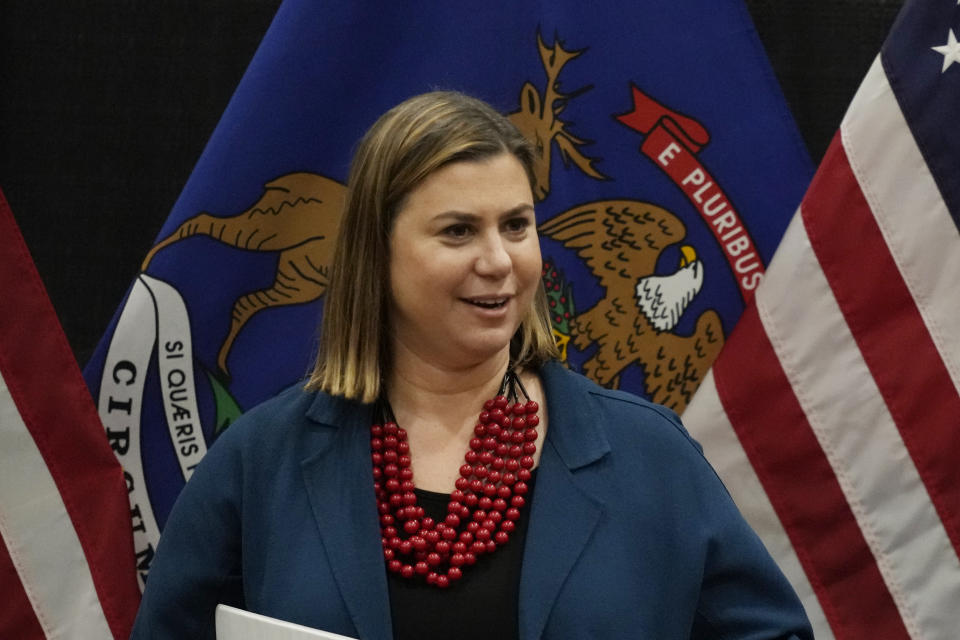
55 404
16 612
888 329
773 429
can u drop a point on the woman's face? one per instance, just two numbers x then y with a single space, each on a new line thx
464 262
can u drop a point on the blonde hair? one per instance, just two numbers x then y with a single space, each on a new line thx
402 148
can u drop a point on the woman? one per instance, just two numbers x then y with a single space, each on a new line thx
351 505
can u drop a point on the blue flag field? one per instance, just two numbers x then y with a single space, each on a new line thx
669 167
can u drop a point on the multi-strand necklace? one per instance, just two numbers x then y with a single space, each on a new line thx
487 497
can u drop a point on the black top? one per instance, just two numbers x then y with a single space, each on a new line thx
481 605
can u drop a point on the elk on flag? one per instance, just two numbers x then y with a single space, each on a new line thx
833 412
665 179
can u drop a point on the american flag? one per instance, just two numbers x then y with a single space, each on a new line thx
833 412
66 550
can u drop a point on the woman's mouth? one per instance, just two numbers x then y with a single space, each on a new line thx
487 303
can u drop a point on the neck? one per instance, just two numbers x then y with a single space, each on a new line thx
422 386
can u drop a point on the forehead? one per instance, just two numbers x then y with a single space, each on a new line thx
498 183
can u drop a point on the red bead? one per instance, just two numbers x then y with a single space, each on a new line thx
376 431
489 404
518 409
454 573
403 462
452 520
484 417
432 577
466 470
495 516
409 499
519 423
389 532
485 503
396 500
508 479
466 537
490 490
502 537
443 581
494 430
517 501
403 448
461 484
532 407
388 554
390 455
508 525
395 566
488 524
517 437
443 547
486 457
491 546
479 515
377 473
376 458
471 500
500 402
497 463
428 523
472 527
530 435
406 547
390 470
406 473
529 448
457 559
407 571
533 421
459 547
386 519
504 421
505 437
476 485
495 416
390 428
392 485
465 511
516 451
418 543
513 513
410 511
493 477
421 568
524 474
526 462
483 534
490 443
390 442
480 471
449 534
500 503
433 559
376 444
512 464
478 547
470 557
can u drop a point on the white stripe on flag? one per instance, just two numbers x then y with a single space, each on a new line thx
708 423
859 438
908 208
40 537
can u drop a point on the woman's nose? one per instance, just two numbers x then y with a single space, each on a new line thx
494 260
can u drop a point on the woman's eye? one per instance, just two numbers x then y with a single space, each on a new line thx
517 225
457 231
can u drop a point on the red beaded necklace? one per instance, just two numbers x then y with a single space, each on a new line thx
484 505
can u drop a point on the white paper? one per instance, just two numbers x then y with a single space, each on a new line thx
237 624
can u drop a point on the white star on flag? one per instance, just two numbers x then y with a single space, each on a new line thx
950 51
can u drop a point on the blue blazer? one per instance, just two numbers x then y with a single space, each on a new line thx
631 535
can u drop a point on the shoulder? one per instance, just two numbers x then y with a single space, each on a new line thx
622 416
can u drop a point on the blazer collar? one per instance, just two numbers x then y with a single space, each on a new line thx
338 481
564 514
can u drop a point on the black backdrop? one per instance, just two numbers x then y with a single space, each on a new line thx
105 105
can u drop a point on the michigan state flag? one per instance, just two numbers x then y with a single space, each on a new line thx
668 167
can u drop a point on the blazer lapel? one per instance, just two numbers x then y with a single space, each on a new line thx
563 516
339 484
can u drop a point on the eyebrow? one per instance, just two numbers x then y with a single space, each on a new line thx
462 216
